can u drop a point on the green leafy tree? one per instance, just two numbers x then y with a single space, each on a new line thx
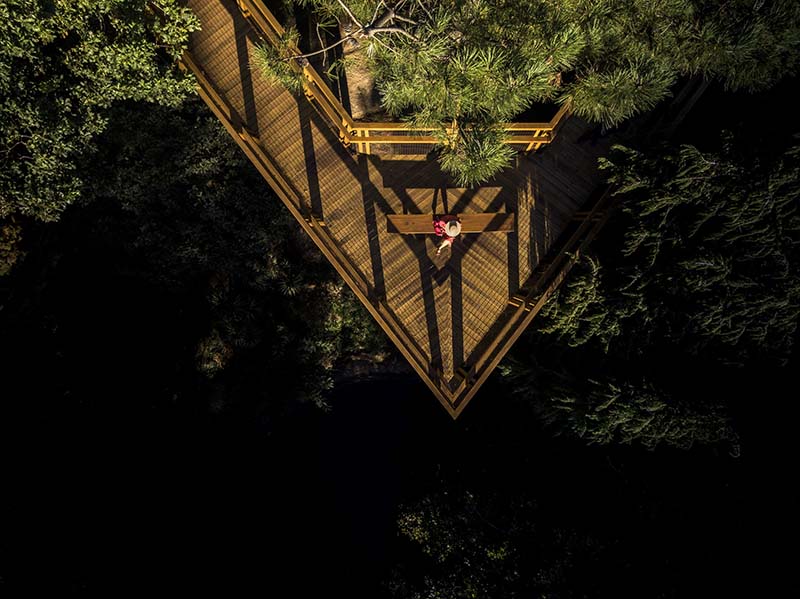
711 248
608 411
63 63
175 194
482 545
464 67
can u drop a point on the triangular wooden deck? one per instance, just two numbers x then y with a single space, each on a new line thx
452 317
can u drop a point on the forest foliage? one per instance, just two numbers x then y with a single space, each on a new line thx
481 544
197 214
173 208
462 68
708 250
703 262
708 259
63 65
699 264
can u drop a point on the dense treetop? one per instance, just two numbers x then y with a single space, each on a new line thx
464 67
166 289
63 63
709 257
700 270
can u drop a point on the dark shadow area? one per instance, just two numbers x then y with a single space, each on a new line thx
242 31
538 112
464 201
311 41
440 195
368 193
457 304
312 174
512 242
414 174
426 276
539 211
409 207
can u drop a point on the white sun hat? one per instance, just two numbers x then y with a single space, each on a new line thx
452 228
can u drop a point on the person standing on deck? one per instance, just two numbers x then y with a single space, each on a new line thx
448 230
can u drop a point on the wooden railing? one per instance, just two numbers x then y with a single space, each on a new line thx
317 230
365 137
453 395
527 303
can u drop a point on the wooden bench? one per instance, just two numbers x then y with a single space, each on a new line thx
409 224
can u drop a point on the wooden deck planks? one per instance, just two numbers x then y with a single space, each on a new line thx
447 305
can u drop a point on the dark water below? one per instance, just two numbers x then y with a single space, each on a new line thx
115 499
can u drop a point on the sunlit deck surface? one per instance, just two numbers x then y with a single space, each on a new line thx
447 314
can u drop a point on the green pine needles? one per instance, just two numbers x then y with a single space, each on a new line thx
481 63
474 155
608 411
703 265
718 235
277 63
708 260
613 96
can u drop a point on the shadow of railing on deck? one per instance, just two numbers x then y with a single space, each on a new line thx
426 273
369 195
312 173
428 175
374 203
512 243
242 31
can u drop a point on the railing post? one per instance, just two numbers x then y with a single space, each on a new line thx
365 145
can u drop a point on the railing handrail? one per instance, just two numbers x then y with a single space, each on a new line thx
351 131
316 230
531 303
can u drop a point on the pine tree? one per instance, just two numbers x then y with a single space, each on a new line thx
703 263
708 258
712 247
582 310
464 67
608 411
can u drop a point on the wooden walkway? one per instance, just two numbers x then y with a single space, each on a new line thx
454 316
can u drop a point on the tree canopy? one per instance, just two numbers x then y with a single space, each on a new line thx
464 67
63 63
701 265
194 215
494 545
170 317
709 256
